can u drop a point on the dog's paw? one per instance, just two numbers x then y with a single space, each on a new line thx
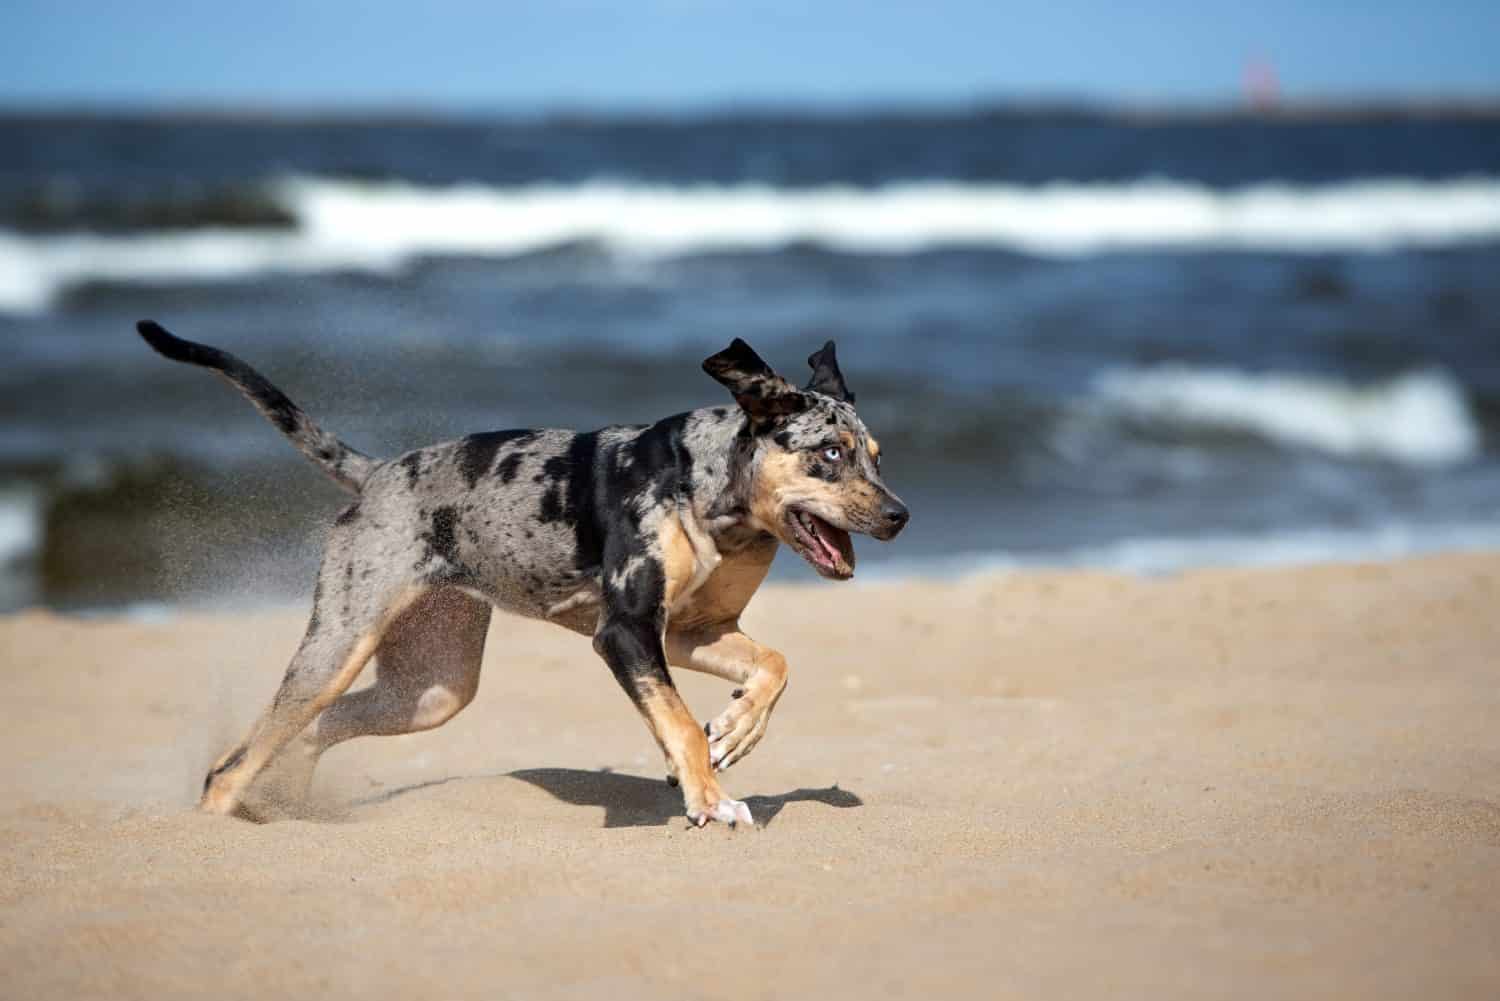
735 731
726 811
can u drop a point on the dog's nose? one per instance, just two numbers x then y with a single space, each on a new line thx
895 514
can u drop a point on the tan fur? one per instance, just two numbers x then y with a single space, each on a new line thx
781 480
689 557
727 653
728 589
723 651
873 447
427 669
679 562
684 744
283 721
778 471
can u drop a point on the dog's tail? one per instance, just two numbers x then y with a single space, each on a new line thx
348 467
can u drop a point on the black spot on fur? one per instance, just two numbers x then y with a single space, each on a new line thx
642 592
442 540
313 621
630 638
230 762
551 509
574 469
784 439
348 515
412 463
476 453
662 463
508 466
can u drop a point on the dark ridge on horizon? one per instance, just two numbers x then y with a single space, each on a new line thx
1375 108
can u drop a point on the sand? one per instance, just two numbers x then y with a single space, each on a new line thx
1269 783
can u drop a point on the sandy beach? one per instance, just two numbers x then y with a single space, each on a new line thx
1247 783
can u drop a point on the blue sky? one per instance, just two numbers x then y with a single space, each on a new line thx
685 53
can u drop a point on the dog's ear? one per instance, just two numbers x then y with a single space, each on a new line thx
826 377
759 391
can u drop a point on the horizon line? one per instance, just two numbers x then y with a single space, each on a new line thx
1332 106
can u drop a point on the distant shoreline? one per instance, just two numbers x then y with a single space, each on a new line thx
1329 110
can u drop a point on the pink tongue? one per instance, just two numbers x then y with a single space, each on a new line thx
830 551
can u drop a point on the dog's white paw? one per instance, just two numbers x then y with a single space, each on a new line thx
726 811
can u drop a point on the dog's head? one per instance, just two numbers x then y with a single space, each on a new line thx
815 471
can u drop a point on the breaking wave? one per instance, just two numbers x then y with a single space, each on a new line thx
342 225
21 525
1420 418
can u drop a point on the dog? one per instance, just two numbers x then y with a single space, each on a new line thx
651 539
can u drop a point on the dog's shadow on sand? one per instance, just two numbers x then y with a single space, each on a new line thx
633 801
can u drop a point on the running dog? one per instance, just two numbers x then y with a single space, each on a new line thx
649 538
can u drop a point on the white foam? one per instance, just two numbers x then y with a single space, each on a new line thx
380 227
33 270
1047 219
20 540
20 523
1287 548
1420 418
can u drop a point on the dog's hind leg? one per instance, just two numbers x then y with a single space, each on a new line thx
427 670
337 645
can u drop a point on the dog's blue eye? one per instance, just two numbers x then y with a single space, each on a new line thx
833 453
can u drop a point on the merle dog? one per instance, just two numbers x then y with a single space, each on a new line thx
651 539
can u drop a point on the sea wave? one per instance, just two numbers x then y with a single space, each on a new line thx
381 227
1420 418
21 525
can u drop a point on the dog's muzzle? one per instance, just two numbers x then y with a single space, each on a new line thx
892 519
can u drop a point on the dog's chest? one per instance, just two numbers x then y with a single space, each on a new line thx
724 589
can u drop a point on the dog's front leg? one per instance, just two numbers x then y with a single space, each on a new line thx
632 648
759 671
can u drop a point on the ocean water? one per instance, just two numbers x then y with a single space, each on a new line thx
1083 339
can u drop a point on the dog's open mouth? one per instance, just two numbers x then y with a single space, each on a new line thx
828 549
